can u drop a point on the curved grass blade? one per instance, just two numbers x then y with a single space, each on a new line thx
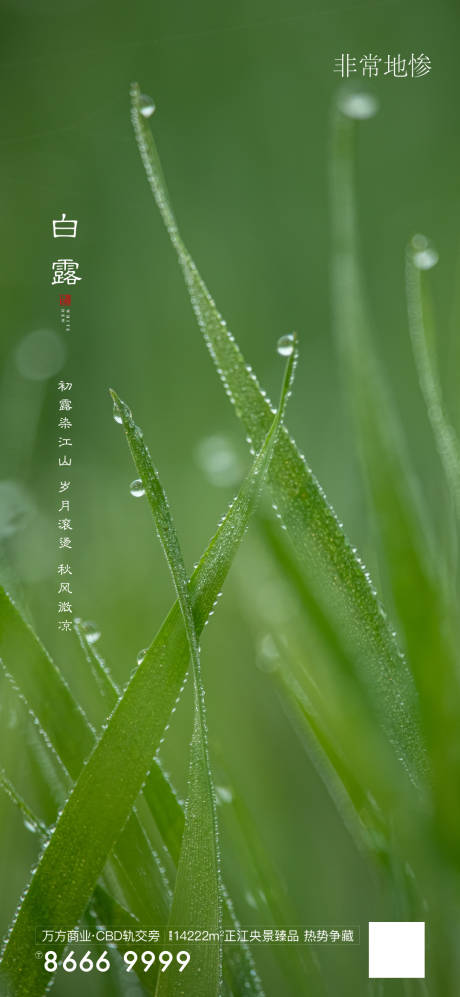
94 814
445 437
318 537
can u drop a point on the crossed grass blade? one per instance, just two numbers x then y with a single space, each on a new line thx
142 890
197 895
94 815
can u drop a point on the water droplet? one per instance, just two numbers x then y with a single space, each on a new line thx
91 631
217 457
30 825
425 255
147 105
40 355
117 414
136 488
224 794
268 659
12 718
285 345
141 655
357 104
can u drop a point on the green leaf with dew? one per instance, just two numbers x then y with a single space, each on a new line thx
334 566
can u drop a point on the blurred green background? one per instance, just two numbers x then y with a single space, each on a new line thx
243 95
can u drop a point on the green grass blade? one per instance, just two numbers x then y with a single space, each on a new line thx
239 967
135 864
319 661
196 901
445 437
30 818
44 688
165 808
105 690
94 814
197 896
345 789
49 774
312 524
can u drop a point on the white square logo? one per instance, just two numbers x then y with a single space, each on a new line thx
396 950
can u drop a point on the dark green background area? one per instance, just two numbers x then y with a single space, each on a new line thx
243 94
